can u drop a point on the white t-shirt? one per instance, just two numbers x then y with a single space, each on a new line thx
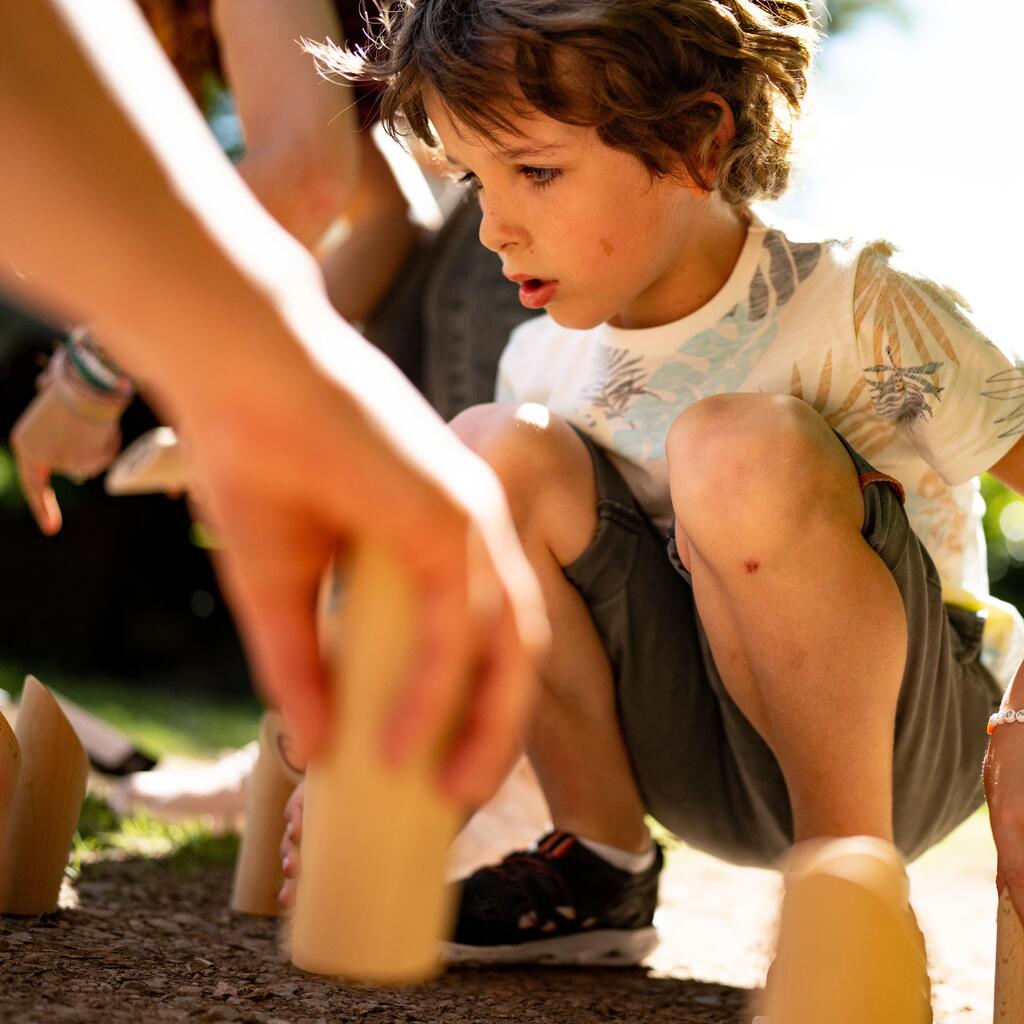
888 358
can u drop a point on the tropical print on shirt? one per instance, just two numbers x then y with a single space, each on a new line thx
887 357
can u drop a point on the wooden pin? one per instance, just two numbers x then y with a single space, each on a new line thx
1009 1001
258 876
47 802
152 463
10 768
370 903
849 950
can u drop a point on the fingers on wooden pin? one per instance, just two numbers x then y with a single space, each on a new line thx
849 948
258 874
371 903
42 804
1009 991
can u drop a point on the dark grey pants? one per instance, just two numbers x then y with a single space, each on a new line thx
703 770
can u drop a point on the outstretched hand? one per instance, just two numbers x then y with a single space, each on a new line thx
376 465
54 436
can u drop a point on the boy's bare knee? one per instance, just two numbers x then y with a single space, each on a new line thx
753 461
478 424
540 460
511 437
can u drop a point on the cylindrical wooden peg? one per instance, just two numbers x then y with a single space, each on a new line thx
47 802
1009 1001
258 876
371 904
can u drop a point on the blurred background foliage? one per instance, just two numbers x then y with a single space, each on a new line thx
838 15
1004 533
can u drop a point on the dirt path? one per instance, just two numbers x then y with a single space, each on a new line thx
147 942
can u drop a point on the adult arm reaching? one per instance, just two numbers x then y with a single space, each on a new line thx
116 208
305 162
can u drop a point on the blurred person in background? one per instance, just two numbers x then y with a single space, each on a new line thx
432 302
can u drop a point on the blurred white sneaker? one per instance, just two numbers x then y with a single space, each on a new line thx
215 791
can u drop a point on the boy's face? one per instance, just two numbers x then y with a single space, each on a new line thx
587 232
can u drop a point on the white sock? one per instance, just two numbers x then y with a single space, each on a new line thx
624 860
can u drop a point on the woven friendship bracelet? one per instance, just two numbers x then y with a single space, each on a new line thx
81 397
96 368
1004 718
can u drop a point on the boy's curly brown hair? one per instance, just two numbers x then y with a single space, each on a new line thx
637 71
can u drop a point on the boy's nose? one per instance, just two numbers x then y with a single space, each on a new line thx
498 232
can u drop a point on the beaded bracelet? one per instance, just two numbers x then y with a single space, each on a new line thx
1004 718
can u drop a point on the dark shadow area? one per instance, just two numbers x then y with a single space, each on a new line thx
122 590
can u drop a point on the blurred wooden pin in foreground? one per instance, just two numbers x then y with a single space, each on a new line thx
371 903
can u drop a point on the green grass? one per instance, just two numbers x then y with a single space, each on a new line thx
160 722
187 845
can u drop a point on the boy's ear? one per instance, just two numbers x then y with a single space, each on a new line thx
724 134
708 155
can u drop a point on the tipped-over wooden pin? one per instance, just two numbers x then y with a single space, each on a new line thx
153 463
258 875
46 805
370 903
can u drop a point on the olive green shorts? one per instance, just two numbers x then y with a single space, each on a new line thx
704 772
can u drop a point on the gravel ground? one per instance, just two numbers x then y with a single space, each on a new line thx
144 940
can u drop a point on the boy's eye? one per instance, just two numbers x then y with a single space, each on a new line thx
469 181
541 176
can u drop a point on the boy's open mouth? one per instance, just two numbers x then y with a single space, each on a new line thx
535 293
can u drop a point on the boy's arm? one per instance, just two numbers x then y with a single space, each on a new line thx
301 139
117 207
362 268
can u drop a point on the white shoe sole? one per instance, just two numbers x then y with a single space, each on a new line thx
609 947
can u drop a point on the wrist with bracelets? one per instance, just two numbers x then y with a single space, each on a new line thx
82 397
1004 718
95 368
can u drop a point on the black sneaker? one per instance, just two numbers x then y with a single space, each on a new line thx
558 903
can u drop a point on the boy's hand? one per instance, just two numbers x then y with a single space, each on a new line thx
52 436
1004 790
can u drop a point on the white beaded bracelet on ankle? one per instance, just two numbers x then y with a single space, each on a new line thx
1004 718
